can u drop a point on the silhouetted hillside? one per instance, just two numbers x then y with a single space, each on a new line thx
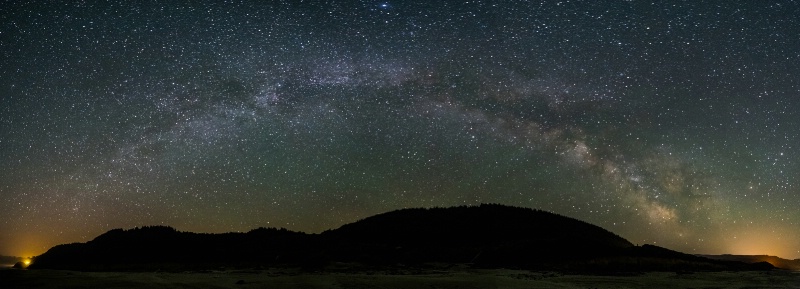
164 247
9 260
654 258
775 261
484 236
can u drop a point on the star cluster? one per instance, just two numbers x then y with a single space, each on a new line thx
671 123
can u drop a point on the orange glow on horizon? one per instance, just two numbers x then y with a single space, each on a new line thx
761 242
753 248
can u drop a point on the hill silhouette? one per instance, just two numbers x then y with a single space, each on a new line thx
8 260
163 247
486 234
483 236
775 261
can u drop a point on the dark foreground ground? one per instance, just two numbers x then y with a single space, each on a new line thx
451 278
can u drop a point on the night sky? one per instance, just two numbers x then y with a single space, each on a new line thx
673 123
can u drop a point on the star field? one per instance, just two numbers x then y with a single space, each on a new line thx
671 123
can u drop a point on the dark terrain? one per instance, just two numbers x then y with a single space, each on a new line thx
775 261
486 236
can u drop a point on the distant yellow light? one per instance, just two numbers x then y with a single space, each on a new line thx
26 262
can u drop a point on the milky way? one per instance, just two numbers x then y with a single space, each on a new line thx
672 123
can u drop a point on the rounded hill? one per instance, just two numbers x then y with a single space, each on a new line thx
486 233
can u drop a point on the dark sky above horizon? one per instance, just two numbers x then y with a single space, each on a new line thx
674 123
